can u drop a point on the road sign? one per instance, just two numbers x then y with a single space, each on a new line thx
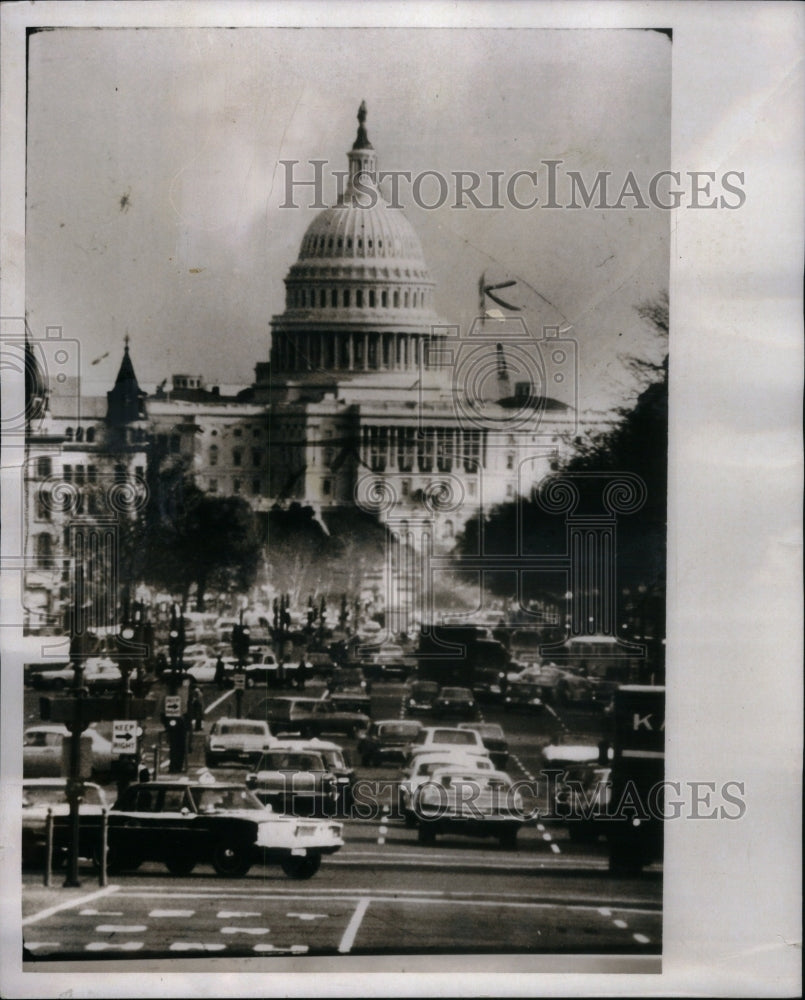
240 681
124 737
173 706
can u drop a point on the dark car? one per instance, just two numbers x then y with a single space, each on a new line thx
387 741
487 684
309 717
182 824
387 662
421 696
349 680
524 696
455 701
494 740
42 794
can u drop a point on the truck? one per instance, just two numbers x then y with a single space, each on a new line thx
635 820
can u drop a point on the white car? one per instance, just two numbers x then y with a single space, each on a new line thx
423 768
237 741
42 752
471 803
41 794
436 737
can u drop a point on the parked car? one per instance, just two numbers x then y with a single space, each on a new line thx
424 766
421 696
437 737
309 717
236 741
184 823
42 751
41 794
456 701
307 777
54 678
471 803
494 739
31 672
387 740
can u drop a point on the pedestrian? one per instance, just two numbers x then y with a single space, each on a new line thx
197 708
300 674
218 677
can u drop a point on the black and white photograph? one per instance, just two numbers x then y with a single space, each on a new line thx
366 502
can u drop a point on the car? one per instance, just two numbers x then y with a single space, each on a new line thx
41 794
387 740
455 701
494 739
424 765
182 823
202 671
56 677
556 755
43 751
31 672
421 696
471 803
303 777
487 684
320 662
386 662
236 741
581 798
102 676
309 717
524 696
437 737
349 680
351 702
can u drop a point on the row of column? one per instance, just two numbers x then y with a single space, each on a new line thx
358 351
409 449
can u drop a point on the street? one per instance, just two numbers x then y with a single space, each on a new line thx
382 893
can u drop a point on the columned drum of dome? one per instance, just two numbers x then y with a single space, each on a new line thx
359 297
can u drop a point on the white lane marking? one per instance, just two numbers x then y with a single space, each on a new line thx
105 946
294 949
69 904
307 916
171 913
196 946
245 930
620 923
555 848
547 836
348 939
641 939
120 928
90 912
229 914
33 945
540 827
381 840
217 702
604 911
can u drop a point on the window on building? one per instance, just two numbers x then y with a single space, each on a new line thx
448 530
406 448
65 570
371 298
346 298
359 298
120 474
509 491
139 471
333 297
237 456
43 505
79 474
44 550
67 473
396 299
256 487
425 449
213 454
68 433
384 299
92 473
44 467
509 461
79 433
326 487
405 487
257 456
238 432
213 486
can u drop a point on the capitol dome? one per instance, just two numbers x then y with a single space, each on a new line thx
359 297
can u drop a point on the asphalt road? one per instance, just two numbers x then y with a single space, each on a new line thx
381 894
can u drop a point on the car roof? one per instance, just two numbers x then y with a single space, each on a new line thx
449 769
305 745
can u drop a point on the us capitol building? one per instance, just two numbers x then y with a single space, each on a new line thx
369 399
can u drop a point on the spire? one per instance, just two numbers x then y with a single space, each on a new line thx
125 403
362 139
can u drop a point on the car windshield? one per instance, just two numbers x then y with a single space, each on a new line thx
465 737
488 729
424 688
282 760
242 729
401 729
456 693
212 799
40 738
334 759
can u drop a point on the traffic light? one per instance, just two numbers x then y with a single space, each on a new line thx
240 642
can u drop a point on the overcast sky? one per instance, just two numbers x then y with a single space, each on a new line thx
154 185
